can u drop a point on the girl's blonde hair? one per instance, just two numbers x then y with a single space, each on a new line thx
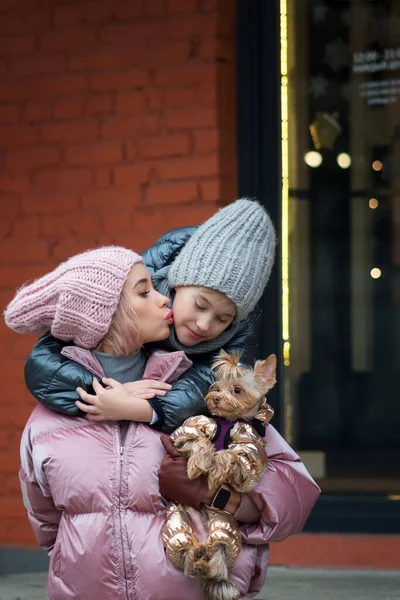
123 336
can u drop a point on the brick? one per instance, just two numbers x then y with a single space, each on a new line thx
9 205
76 131
66 16
25 21
104 82
181 97
185 75
16 45
102 178
167 145
112 200
138 34
68 108
50 203
210 190
155 101
36 112
21 348
93 154
128 102
12 251
25 227
100 104
182 215
97 11
163 52
14 183
12 485
119 222
188 168
5 228
58 85
219 49
131 151
68 245
9 113
101 60
14 4
178 193
37 64
191 117
206 141
208 5
191 25
81 223
63 179
128 175
33 158
12 276
119 128
42 87
83 37
125 9
182 6
155 7
17 529
17 135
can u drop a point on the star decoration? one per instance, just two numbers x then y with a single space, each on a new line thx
337 54
320 12
318 86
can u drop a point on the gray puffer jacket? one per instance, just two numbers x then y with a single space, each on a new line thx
52 378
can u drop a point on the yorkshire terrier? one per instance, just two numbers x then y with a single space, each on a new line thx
228 449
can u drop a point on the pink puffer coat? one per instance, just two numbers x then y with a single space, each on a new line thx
91 490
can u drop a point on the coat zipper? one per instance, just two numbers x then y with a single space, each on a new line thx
121 455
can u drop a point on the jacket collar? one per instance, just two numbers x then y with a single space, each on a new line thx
84 357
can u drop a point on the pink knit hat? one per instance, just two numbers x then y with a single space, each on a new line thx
77 300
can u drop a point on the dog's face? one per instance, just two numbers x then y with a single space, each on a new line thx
239 392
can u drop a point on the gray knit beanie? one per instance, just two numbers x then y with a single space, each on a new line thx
233 253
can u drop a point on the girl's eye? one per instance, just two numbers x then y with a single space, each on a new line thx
144 294
222 320
237 390
198 306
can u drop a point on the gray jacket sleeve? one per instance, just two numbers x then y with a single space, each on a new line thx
186 398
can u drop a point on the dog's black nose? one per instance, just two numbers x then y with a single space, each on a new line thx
216 400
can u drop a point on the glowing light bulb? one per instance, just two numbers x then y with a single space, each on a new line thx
344 160
377 165
373 203
376 273
313 159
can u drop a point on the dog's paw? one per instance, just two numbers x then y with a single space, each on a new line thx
193 468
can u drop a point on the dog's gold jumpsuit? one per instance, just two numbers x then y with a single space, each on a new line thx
242 439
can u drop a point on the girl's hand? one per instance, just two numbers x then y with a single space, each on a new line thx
112 403
146 388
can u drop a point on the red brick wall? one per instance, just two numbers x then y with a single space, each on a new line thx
117 123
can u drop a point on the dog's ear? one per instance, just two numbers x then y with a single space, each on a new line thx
266 370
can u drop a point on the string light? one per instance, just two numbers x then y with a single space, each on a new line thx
343 160
285 179
373 203
313 159
376 273
377 165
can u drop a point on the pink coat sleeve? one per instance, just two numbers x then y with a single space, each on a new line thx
284 496
42 513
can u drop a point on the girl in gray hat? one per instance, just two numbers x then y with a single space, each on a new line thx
96 502
215 275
